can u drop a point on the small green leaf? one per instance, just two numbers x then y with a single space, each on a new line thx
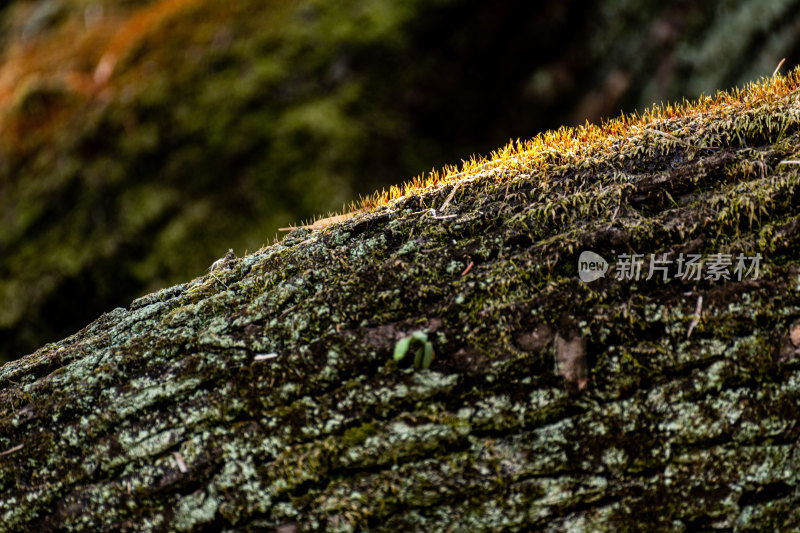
401 348
418 358
428 359
421 336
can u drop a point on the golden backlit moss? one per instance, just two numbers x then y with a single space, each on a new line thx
592 144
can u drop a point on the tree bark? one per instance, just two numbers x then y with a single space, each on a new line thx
265 396
140 139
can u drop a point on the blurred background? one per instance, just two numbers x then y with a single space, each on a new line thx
140 139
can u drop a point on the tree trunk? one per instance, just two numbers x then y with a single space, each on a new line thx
266 395
141 138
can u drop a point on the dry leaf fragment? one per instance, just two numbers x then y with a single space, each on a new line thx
180 461
571 360
698 310
537 339
325 222
16 448
794 335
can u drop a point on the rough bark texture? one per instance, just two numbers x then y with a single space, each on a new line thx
139 139
264 396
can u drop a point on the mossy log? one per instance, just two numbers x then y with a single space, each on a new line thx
140 139
264 396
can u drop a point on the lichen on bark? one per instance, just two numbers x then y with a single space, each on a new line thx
265 394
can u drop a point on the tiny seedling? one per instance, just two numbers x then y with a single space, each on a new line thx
418 343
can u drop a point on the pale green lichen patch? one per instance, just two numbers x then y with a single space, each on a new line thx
266 393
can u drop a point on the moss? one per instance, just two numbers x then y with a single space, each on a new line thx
141 139
272 377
